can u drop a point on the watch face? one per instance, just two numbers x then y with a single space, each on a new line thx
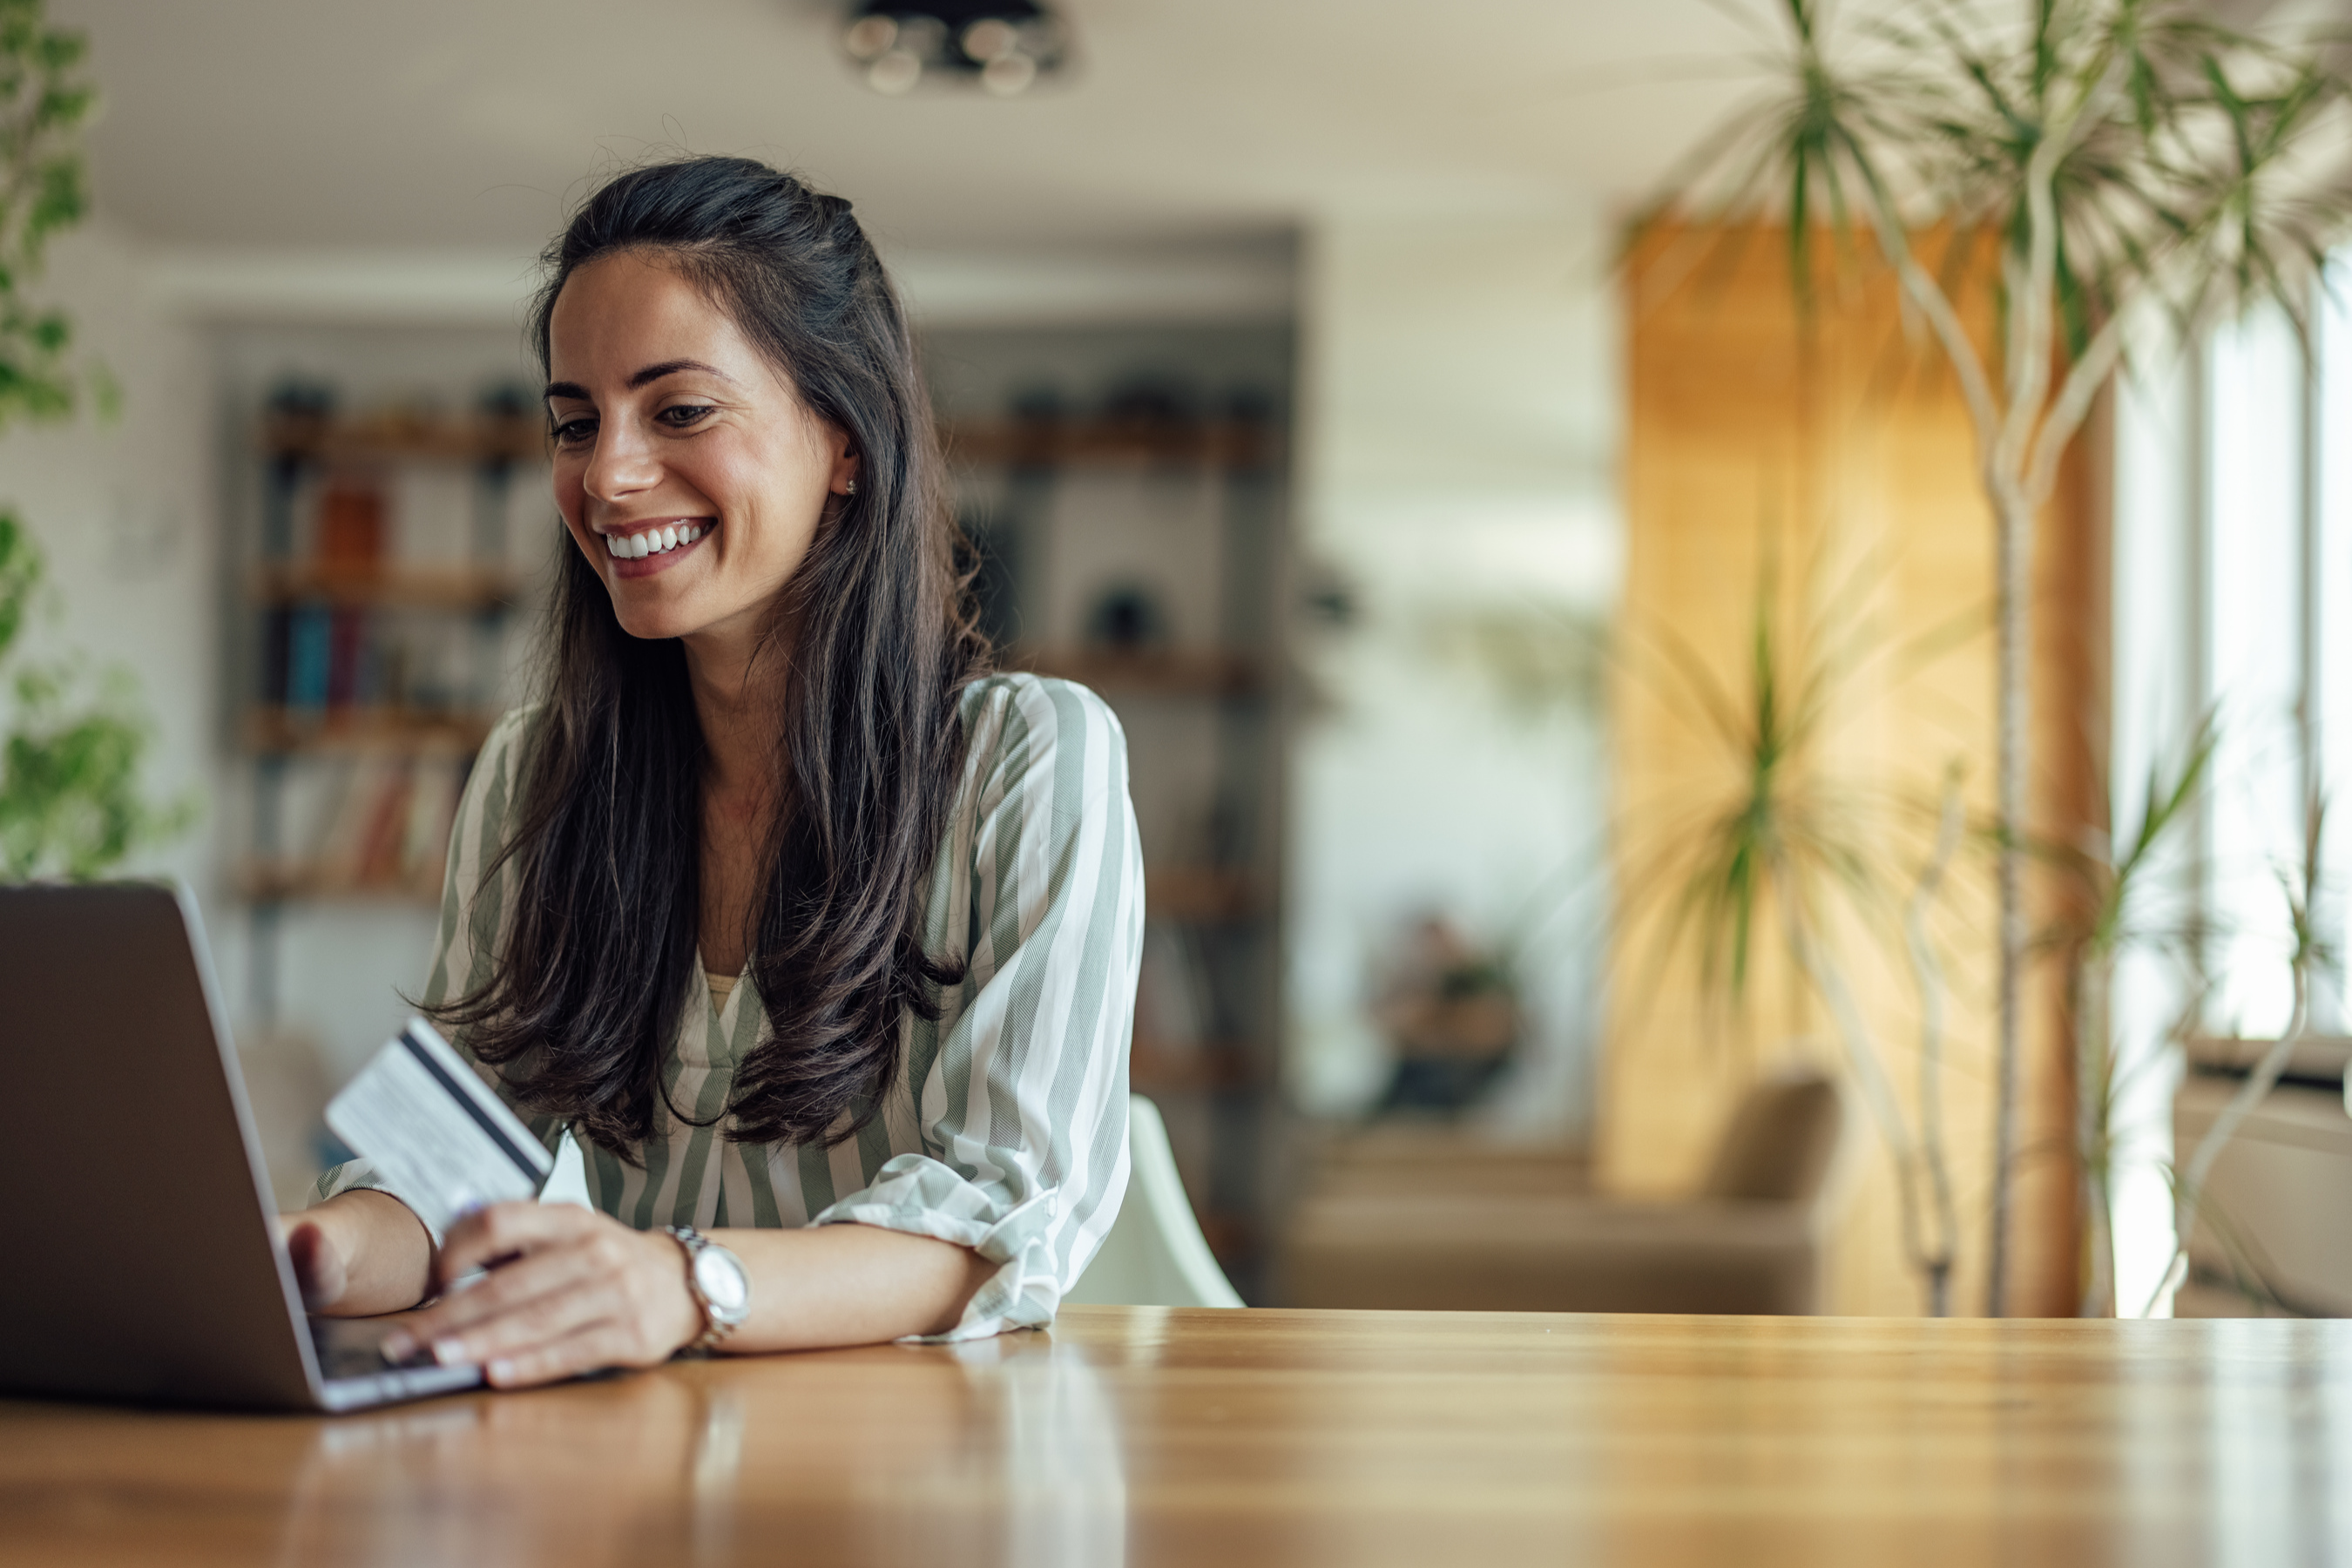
719 1276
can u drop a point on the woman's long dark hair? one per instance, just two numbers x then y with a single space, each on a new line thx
582 1003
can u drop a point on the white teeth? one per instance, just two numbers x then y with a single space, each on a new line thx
653 541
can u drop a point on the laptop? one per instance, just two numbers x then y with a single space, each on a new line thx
134 1204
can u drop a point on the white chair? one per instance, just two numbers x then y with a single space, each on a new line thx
568 1182
1154 1255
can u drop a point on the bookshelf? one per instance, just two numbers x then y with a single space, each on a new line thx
456 588
379 595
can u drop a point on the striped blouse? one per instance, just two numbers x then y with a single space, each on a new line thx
1005 1129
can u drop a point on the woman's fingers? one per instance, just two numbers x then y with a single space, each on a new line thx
591 1348
564 1275
503 1230
551 1270
525 1327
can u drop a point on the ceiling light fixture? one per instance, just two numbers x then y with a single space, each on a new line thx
1000 46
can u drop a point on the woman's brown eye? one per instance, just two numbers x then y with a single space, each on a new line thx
684 414
572 430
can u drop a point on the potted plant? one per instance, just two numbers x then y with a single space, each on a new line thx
2116 162
1778 851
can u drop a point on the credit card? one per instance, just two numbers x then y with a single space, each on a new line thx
437 1137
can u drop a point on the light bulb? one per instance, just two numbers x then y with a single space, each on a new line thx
894 73
991 38
1008 74
871 35
921 36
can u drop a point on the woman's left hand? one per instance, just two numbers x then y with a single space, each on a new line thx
569 1291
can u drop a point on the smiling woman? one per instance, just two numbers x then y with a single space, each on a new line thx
818 936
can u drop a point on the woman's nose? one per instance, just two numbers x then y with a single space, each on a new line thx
622 463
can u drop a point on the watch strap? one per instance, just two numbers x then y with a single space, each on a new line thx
714 1328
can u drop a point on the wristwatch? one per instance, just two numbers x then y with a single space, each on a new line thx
721 1288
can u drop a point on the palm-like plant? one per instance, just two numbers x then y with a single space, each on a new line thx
2120 158
2111 877
2300 886
1782 850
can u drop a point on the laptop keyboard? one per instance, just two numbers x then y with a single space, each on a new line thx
348 1347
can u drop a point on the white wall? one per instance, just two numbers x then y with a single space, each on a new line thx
127 515
1458 432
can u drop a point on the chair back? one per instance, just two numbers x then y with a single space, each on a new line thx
1155 1255
1781 1142
568 1182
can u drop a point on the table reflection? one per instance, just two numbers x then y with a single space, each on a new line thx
1003 1450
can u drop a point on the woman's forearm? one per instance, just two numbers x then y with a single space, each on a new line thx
848 1285
383 1250
578 1290
363 1253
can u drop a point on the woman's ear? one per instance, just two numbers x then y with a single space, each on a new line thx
845 465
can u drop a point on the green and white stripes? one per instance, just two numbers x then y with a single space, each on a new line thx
1006 1129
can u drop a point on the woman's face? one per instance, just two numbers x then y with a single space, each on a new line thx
690 472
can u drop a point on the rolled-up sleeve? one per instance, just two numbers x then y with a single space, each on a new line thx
1023 1109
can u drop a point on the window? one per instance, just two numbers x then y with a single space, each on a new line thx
2232 584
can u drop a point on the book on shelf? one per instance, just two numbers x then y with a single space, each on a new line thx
359 505
384 828
431 816
305 671
347 651
318 657
351 524
339 859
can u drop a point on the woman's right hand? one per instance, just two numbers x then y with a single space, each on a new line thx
357 1254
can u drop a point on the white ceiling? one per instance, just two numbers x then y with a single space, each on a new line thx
471 124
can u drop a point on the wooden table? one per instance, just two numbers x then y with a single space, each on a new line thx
1142 1436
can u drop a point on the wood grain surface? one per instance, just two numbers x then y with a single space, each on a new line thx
1146 1435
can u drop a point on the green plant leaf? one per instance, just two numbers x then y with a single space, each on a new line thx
71 803
44 190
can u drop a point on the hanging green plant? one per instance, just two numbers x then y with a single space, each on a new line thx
44 189
70 802
70 805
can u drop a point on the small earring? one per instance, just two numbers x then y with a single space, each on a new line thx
849 487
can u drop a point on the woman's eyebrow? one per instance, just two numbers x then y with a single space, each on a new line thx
671 367
651 372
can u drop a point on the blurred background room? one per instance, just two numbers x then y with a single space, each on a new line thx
1560 625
